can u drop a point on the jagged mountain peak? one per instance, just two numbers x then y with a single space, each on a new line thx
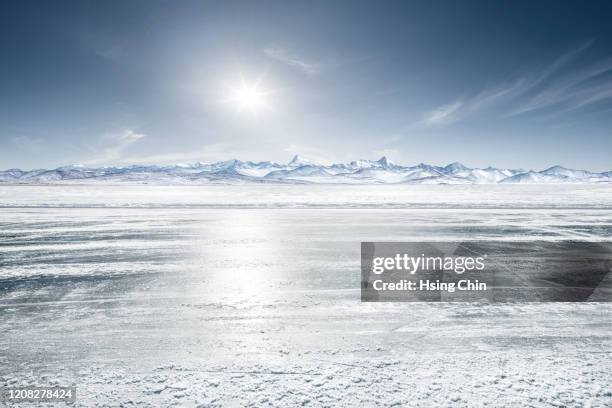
299 161
384 162
556 167
560 171
456 167
301 170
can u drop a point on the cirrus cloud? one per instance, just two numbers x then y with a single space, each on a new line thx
285 57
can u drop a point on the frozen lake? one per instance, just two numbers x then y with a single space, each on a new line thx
249 295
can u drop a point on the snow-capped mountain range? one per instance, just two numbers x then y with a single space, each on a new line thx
300 171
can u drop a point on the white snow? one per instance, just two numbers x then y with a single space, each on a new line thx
249 296
300 170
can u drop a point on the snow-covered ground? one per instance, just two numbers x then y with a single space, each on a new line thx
232 296
311 196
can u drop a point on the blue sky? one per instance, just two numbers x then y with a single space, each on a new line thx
507 83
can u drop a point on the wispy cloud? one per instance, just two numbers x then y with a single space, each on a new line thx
601 93
573 89
560 85
443 114
112 52
113 145
464 108
210 152
558 64
285 57
27 143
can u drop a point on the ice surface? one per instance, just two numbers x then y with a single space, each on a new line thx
232 296
577 196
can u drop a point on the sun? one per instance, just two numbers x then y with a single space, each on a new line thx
249 97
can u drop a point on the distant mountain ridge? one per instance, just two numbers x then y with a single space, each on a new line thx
300 171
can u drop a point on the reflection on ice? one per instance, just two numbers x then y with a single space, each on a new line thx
234 301
239 253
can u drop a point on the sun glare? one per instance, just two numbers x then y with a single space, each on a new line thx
249 97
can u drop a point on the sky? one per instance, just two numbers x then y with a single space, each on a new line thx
513 84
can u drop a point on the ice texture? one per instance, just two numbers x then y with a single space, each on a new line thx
249 296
